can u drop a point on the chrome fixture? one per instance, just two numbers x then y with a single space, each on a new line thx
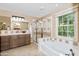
72 53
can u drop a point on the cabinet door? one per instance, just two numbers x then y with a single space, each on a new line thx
5 42
28 39
14 41
21 40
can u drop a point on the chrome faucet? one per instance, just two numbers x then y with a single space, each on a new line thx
72 53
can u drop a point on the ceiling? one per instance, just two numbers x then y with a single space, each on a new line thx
35 9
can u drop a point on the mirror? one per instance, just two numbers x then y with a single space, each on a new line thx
14 23
19 25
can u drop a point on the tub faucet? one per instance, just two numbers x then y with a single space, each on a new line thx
72 53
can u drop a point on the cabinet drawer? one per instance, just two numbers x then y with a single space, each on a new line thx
14 37
4 47
14 41
22 35
5 43
13 45
5 38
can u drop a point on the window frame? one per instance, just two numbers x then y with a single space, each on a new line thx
60 14
66 25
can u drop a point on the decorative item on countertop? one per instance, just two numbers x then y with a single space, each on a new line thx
23 31
8 27
66 41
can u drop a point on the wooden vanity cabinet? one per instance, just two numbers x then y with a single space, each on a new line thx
5 42
12 41
21 40
27 39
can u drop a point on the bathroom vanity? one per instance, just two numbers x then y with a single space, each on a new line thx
13 32
8 41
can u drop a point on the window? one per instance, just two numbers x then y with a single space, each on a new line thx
66 25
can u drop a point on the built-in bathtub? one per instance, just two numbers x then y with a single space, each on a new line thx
52 47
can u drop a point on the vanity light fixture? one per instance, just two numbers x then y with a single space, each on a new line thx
17 18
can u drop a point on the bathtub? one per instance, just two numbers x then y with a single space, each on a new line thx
51 47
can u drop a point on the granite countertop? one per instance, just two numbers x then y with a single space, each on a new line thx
13 34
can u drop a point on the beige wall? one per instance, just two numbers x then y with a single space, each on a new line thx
77 26
78 23
53 31
5 20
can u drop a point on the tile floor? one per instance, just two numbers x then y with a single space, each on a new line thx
29 50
